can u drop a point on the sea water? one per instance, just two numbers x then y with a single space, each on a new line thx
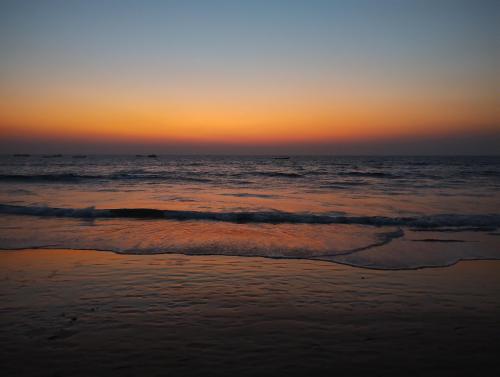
377 212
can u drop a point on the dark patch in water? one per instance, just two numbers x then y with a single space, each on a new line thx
437 240
367 174
70 177
462 229
277 174
250 195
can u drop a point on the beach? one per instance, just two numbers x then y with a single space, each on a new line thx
249 265
95 313
249 188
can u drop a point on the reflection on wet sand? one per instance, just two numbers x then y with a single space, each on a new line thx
96 313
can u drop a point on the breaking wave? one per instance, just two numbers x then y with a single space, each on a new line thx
270 217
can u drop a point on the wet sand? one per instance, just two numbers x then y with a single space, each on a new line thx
90 313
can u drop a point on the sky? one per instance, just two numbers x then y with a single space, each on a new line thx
260 76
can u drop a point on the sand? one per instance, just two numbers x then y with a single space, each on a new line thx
90 313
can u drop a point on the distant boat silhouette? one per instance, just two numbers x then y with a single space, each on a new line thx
52 155
281 158
21 155
152 156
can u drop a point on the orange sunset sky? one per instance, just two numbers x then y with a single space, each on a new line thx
246 73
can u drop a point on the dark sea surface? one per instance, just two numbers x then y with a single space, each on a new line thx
376 212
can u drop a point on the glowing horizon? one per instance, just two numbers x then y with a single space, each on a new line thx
232 72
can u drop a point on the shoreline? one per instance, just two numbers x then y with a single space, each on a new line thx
270 257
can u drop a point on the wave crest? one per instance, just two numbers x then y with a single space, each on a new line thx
273 217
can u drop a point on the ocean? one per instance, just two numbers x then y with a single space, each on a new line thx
373 212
